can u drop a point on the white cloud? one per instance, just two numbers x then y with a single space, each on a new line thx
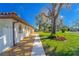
61 17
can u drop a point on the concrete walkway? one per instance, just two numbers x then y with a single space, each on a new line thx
37 49
23 48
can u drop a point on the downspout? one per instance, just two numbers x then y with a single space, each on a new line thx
14 32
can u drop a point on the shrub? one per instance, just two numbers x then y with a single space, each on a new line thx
63 30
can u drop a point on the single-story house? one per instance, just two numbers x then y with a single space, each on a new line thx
12 30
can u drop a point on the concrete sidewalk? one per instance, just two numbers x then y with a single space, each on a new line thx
37 49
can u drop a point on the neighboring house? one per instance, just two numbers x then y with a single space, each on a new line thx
12 30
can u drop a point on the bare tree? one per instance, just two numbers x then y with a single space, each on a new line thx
53 15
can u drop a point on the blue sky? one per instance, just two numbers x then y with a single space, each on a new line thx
70 15
28 11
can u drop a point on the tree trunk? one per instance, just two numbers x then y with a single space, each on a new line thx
54 17
53 25
39 27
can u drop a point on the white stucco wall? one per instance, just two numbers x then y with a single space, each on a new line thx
6 34
27 30
19 36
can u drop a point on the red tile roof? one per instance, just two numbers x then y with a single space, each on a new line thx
14 16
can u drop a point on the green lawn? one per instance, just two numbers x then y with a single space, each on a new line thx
68 47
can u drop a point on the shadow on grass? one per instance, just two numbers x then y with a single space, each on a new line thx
68 53
52 51
47 38
49 51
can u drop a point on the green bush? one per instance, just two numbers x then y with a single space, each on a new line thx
63 30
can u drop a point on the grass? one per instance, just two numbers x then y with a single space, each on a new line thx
69 47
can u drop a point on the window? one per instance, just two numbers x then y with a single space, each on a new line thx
25 27
1 30
20 29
